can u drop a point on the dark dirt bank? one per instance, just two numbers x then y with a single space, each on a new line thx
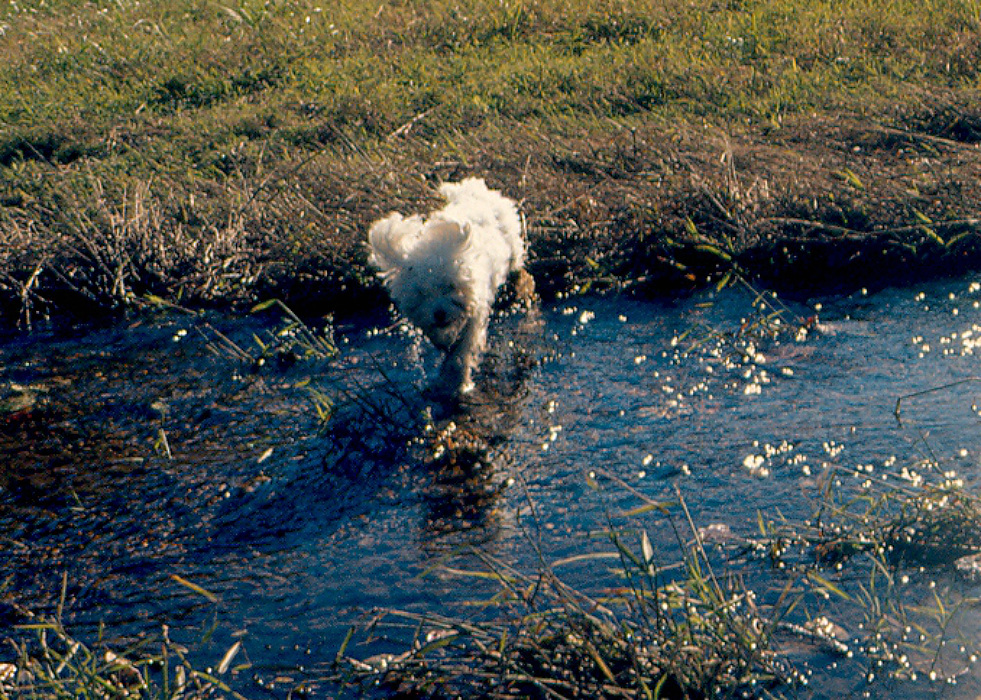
813 205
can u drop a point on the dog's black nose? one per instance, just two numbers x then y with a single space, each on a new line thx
439 317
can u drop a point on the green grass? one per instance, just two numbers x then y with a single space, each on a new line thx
261 138
375 66
50 663
55 665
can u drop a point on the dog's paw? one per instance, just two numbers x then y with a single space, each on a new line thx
444 402
455 379
524 287
450 387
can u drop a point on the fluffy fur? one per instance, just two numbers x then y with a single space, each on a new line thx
443 272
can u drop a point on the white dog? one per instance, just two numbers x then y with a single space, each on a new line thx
443 272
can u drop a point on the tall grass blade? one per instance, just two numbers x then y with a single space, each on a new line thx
194 587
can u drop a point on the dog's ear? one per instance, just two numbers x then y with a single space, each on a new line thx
389 240
466 229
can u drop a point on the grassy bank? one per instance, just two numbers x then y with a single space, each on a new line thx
216 153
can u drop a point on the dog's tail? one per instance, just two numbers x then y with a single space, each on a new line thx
390 239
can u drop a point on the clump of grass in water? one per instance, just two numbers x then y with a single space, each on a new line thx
666 632
923 522
884 558
289 342
294 340
58 665
756 616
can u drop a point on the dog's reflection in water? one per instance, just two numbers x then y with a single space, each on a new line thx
467 454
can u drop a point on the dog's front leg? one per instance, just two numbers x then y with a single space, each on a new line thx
456 373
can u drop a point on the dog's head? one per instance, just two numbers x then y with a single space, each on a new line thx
421 263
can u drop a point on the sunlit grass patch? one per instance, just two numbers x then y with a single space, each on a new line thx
755 58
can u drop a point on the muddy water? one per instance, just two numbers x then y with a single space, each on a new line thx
134 454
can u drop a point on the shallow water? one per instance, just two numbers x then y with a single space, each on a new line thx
133 454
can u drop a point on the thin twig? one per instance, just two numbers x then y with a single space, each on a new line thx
864 235
929 391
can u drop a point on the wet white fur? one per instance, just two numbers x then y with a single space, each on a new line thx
444 271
